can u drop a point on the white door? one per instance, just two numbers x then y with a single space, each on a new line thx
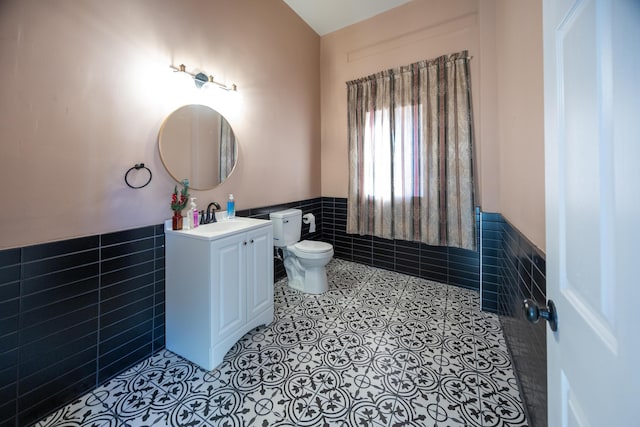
592 149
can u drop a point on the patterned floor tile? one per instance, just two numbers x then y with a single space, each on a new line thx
342 296
345 351
286 302
316 397
405 374
256 338
264 409
491 359
345 280
459 398
218 406
180 379
487 323
183 415
458 354
117 392
362 320
415 335
387 410
410 308
501 403
321 306
294 331
353 277
260 369
378 349
209 380
88 410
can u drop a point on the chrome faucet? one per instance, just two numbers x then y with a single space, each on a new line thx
210 214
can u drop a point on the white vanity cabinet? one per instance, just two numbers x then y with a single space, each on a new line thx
219 286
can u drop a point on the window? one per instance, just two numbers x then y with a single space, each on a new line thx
410 153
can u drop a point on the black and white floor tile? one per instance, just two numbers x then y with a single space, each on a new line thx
378 349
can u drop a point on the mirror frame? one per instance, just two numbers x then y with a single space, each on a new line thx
179 180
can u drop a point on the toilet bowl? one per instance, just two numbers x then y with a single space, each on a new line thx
304 261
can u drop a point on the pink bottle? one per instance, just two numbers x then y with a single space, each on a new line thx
194 212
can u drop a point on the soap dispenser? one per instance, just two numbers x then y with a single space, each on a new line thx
231 207
193 213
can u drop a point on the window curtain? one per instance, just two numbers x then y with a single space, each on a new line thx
410 153
227 150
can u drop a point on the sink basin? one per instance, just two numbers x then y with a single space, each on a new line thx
222 228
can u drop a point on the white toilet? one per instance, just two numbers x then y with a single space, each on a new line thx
304 261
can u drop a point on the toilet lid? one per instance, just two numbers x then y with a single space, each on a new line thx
313 246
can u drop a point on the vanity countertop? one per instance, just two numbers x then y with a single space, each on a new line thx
222 228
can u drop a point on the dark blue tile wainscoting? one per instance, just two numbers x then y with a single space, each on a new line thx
490 254
453 266
514 269
75 313
522 274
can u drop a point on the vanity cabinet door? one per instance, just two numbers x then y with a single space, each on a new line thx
259 271
228 278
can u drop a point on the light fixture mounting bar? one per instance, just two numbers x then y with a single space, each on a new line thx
198 78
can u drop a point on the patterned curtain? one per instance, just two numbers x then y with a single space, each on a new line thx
227 150
410 153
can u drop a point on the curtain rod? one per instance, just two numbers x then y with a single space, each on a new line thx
375 75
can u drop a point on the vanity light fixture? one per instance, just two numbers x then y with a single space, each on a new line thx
201 80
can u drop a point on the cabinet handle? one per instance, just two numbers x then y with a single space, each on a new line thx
251 240
245 243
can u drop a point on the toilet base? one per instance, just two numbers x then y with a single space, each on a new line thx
311 280
315 281
295 284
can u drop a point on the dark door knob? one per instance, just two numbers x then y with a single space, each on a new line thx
533 313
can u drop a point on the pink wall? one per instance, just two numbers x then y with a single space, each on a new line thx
84 92
421 29
504 37
521 116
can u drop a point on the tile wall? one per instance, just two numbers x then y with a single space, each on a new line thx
73 314
490 253
452 266
446 265
522 274
104 295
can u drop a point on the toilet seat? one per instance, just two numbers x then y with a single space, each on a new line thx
313 247
311 250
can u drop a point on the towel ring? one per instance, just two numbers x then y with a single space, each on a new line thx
136 167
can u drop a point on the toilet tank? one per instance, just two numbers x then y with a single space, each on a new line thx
286 227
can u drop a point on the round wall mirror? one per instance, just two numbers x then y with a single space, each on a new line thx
197 143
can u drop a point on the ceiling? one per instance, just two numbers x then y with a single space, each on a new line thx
326 16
